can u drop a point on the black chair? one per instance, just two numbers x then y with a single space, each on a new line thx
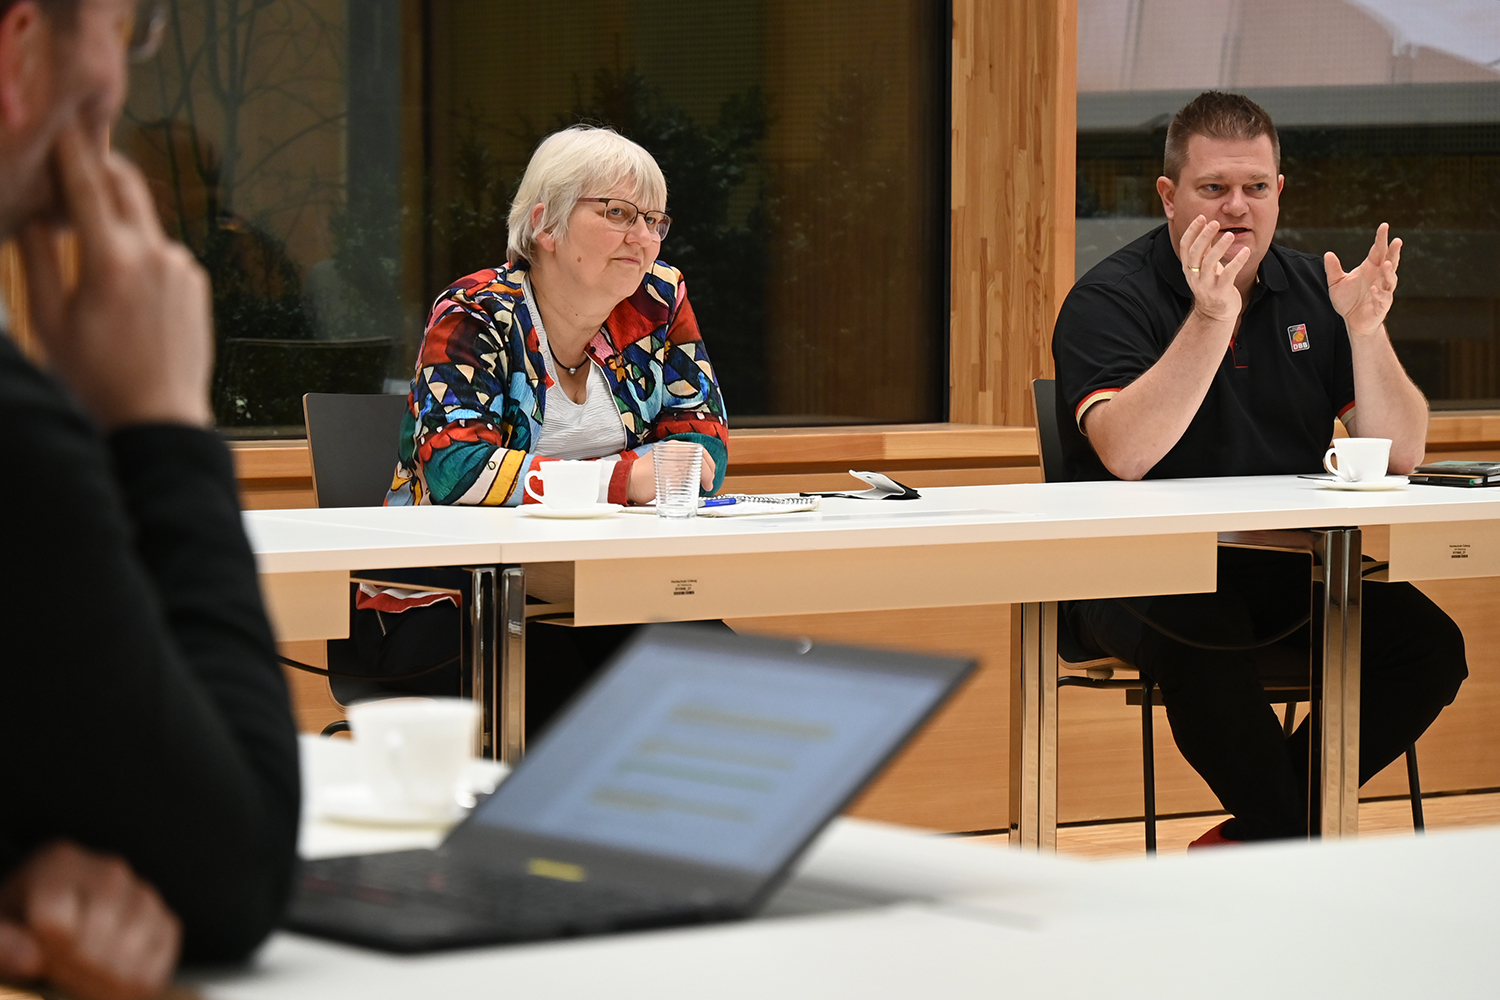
351 441
1284 670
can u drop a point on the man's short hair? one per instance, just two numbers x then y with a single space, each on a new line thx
1216 115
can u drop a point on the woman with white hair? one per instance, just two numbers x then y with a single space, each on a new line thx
581 346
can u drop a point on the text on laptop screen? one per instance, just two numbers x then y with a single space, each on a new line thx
732 762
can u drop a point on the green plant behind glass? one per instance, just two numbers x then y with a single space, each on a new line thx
719 206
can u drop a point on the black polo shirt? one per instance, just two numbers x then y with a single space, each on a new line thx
1271 406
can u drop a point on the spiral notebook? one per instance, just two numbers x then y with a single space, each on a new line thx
745 504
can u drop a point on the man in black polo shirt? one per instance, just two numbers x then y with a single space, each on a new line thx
1203 349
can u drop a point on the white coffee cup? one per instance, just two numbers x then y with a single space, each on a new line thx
1360 460
566 485
415 753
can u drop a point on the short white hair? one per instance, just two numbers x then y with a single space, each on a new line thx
584 161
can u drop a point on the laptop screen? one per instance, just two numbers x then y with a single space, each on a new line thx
732 757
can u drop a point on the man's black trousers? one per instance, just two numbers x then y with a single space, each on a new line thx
1412 663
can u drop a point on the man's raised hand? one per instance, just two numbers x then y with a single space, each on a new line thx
1363 296
1211 280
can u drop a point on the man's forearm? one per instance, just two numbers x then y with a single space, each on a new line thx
1134 430
1387 404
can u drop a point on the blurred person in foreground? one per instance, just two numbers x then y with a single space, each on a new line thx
149 786
582 346
1205 349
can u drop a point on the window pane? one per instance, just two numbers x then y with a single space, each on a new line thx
334 173
804 147
1388 111
271 135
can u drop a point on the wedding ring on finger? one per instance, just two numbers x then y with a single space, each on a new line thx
1195 270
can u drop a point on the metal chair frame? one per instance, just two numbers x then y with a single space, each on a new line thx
492 598
1321 545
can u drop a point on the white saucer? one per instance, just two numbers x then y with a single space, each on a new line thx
1388 483
355 802
597 510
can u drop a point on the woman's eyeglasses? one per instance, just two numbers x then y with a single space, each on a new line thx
622 215
146 30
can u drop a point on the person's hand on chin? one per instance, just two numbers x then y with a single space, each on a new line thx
87 923
134 337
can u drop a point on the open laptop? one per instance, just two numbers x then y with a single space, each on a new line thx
680 787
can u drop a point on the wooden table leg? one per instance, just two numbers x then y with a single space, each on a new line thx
1033 726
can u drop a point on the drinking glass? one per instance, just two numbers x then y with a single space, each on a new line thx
679 469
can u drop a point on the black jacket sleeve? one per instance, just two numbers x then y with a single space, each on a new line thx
142 711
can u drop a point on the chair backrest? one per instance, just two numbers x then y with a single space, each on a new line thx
1044 393
1057 433
352 442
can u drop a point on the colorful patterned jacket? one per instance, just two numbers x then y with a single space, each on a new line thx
477 400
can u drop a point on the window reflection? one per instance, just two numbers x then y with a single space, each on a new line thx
269 132
1389 111
804 145
336 163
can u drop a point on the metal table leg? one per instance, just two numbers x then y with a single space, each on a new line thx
496 647
1333 760
510 701
479 653
1337 773
1033 726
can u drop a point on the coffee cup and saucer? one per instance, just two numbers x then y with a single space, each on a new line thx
1360 464
569 490
412 764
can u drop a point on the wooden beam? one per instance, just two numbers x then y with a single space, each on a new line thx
1453 431
1014 151
275 459
761 447
13 296
13 292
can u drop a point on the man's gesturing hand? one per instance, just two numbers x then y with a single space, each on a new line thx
87 923
134 338
1211 280
1363 296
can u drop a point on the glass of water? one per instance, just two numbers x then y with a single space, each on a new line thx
679 469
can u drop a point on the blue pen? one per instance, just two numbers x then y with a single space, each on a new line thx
719 501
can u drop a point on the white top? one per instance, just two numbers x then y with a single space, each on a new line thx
950 918
288 541
578 431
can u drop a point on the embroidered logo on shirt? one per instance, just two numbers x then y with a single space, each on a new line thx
1298 337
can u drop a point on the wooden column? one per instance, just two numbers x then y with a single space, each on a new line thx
1015 83
13 292
13 295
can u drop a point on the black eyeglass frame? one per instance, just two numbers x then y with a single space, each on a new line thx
660 227
151 17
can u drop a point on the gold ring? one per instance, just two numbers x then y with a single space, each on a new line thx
1195 270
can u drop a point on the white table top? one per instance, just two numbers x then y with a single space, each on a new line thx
879 912
289 541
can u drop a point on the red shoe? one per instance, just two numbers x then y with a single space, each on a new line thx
1215 838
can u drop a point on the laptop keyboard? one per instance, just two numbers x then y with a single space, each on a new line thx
523 906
